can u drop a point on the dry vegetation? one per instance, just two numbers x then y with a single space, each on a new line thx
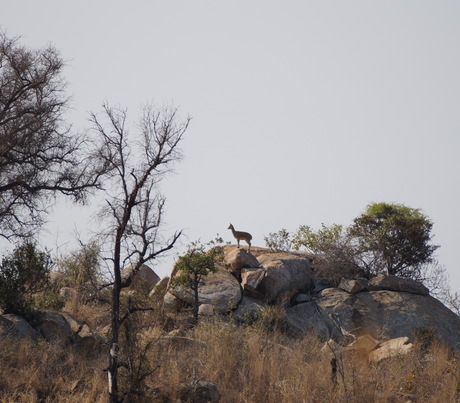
44 372
256 363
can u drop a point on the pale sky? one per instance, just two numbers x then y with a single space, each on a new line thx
303 111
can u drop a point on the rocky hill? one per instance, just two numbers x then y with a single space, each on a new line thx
246 284
384 307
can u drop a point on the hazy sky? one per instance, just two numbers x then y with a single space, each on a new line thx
303 111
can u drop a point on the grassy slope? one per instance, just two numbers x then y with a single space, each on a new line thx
248 364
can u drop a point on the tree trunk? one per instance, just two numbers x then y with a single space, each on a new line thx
197 302
113 355
114 349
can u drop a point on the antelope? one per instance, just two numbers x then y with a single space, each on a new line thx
241 236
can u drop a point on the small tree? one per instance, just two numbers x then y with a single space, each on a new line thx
193 268
134 209
22 274
39 155
393 238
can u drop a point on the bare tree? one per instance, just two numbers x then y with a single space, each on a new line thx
39 155
134 205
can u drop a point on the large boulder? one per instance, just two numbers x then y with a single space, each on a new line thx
285 274
353 286
171 303
160 288
236 259
221 290
248 309
53 326
206 310
309 319
391 348
394 283
83 339
251 278
255 250
382 314
145 276
17 327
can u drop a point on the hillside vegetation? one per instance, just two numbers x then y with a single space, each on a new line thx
246 363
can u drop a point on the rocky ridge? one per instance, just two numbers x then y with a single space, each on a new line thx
384 307
381 309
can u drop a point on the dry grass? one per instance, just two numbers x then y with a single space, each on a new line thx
250 366
44 372
246 364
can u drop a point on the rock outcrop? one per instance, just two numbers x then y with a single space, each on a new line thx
248 309
15 326
384 313
285 274
384 307
251 278
391 348
393 283
145 276
53 326
160 288
238 259
221 289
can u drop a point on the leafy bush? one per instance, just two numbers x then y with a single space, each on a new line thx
82 266
385 239
334 251
22 274
49 300
279 241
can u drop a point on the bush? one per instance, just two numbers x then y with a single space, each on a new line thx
279 241
82 266
385 239
49 300
22 274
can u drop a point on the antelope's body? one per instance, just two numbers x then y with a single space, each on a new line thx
241 236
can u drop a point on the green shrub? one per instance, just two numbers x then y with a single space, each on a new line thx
22 274
49 301
82 266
